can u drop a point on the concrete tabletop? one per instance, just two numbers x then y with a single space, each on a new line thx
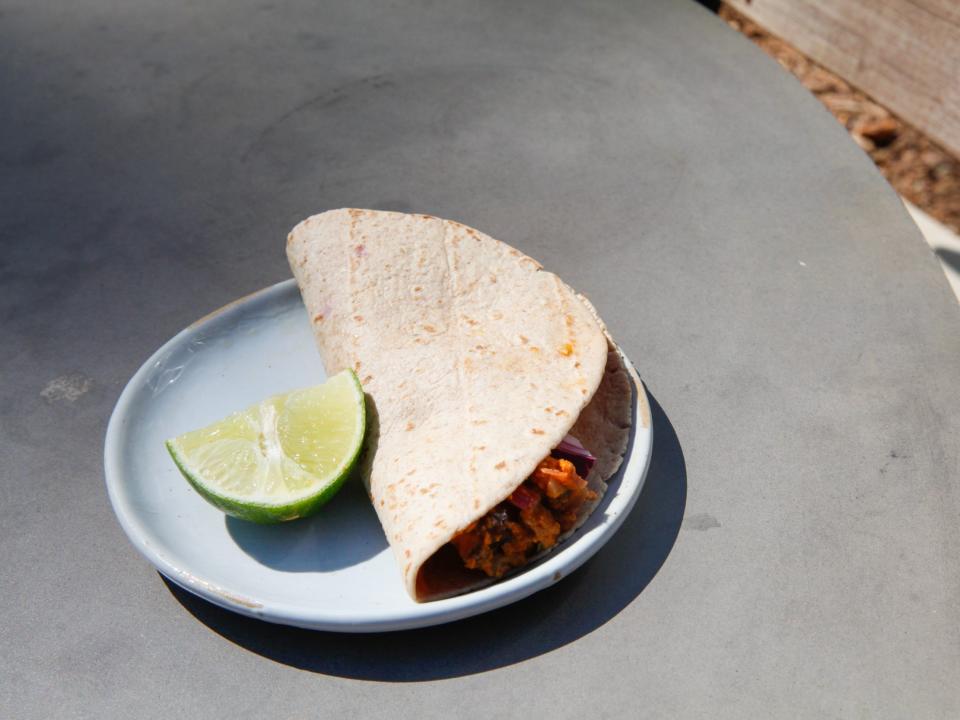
796 551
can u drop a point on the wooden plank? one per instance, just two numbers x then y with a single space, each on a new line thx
904 53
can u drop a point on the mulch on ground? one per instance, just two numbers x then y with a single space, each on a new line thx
918 168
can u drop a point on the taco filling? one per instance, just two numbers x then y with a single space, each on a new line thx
544 507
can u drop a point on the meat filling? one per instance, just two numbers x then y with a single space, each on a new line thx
544 507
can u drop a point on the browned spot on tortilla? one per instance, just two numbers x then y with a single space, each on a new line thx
561 413
569 320
502 465
439 523
493 278
356 365
497 315
537 431
406 570
382 503
534 348
480 448
358 318
418 288
354 212
476 504
427 217
406 552
367 379
318 317
524 339
410 426
566 350
478 422
576 364
515 253
583 391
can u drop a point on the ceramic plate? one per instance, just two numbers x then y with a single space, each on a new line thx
334 571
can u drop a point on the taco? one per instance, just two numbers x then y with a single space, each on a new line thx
500 406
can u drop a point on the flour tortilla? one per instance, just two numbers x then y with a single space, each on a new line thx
476 363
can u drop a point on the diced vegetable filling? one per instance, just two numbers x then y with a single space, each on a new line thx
544 507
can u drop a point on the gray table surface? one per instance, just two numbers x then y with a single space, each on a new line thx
796 550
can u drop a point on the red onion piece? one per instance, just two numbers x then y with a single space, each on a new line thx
524 498
573 450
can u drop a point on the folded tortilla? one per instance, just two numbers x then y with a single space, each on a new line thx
476 363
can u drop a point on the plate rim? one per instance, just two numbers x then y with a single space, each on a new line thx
542 575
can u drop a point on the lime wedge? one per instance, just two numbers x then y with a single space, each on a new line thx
280 459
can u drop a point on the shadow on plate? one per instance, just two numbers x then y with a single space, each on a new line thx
313 544
550 619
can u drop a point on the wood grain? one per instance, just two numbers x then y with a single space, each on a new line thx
904 53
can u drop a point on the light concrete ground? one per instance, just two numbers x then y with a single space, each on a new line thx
943 241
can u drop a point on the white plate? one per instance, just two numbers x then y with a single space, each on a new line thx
331 572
